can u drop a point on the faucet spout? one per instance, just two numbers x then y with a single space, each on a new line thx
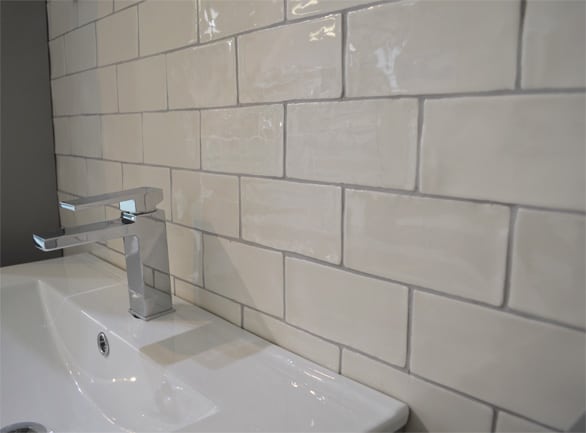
142 227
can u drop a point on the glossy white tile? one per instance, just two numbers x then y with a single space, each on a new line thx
104 177
185 253
85 133
528 367
118 37
245 140
57 56
221 18
232 270
203 76
364 313
72 175
62 134
292 216
90 10
554 44
166 24
172 138
297 61
80 49
122 137
548 266
142 85
455 247
416 47
432 408
512 424
206 201
359 142
62 16
304 8
519 149
207 300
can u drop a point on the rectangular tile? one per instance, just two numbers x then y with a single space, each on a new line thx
297 61
62 133
57 56
166 24
364 313
80 49
548 266
507 145
304 8
455 247
302 343
293 216
206 201
185 253
86 136
207 300
432 408
62 16
104 177
134 176
172 138
97 91
416 47
202 76
90 10
118 37
72 175
142 85
528 367
221 18
122 137
554 44
232 270
121 4
243 140
359 142
511 424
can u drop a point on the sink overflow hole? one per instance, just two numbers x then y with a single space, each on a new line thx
103 345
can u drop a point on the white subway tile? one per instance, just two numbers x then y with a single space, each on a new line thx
172 138
547 274
528 367
302 343
359 142
90 10
207 300
122 137
62 133
62 16
243 140
233 270
86 136
221 18
305 8
414 47
166 24
80 49
72 175
520 149
432 408
364 313
206 201
104 177
142 85
512 424
96 90
121 4
57 55
185 253
135 176
293 216
202 76
118 37
297 61
106 254
455 247
64 97
554 44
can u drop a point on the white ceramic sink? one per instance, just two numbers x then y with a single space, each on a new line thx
187 371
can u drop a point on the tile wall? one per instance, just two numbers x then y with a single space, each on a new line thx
393 189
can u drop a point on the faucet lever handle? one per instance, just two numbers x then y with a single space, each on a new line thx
136 200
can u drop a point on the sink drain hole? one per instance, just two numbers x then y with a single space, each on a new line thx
24 427
103 346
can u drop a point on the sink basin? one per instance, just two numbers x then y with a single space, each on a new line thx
188 371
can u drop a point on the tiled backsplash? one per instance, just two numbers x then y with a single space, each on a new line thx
394 189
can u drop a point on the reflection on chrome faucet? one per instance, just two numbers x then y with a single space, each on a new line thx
142 227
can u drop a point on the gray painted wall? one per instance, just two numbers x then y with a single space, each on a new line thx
27 181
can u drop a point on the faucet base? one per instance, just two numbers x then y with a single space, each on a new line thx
152 316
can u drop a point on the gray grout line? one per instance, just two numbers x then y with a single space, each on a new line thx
493 421
409 328
364 188
239 207
342 225
420 111
509 256
236 70
340 358
284 288
285 115
344 30
242 316
522 10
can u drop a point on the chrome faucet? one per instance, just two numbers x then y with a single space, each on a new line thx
142 226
